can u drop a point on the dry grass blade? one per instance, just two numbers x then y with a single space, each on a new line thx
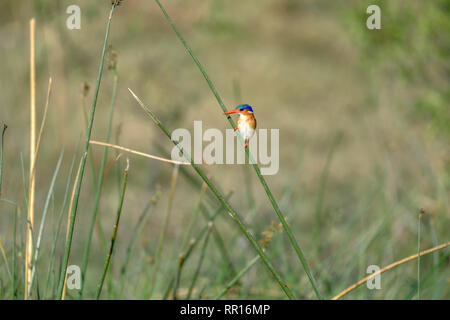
44 117
99 143
69 214
391 266
31 188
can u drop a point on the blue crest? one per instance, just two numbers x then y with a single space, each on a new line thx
245 106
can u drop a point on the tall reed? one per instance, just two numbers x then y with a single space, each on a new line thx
31 186
2 146
84 157
59 221
42 224
286 227
162 238
135 233
237 277
181 262
200 261
116 226
94 216
419 227
232 212
13 253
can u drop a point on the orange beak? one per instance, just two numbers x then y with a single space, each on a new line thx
232 111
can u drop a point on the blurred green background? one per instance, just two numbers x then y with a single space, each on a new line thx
364 125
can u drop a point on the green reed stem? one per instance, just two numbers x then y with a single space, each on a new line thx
419 227
136 231
13 266
246 168
91 156
291 236
194 241
237 277
181 262
14 254
41 227
162 237
221 245
99 188
114 234
321 193
200 261
194 218
83 159
233 213
1 156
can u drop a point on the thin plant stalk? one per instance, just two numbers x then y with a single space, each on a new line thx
69 218
33 158
3 252
116 226
59 220
1 156
321 193
44 117
237 277
84 157
162 238
182 260
146 155
194 241
42 224
14 254
31 186
233 213
24 180
136 231
200 261
389 267
282 219
98 191
221 245
419 227
194 217
90 154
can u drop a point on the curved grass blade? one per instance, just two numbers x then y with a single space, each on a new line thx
41 227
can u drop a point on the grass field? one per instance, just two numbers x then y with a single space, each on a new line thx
364 174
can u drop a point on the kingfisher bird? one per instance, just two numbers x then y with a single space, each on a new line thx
246 123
